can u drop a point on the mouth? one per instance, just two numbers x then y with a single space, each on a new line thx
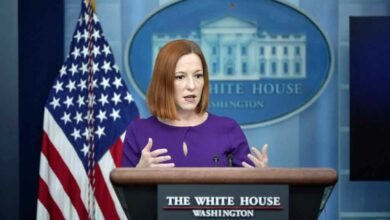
190 98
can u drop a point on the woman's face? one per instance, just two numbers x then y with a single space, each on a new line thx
188 83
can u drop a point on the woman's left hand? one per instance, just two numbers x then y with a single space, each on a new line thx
259 159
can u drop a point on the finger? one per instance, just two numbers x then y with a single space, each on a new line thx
157 152
149 145
246 165
264 150
257 153
163 165
265 155
254 160
161 159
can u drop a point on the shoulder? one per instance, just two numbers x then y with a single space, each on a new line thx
137 124
222 121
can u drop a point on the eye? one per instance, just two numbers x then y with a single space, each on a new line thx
179 77
199 75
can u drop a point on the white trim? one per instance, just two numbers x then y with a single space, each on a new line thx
364 214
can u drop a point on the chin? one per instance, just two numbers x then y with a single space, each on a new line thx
188 107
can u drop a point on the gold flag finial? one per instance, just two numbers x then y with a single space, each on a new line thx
93 6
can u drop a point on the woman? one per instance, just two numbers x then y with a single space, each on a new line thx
181 132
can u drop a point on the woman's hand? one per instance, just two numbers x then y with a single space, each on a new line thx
152 159
259 159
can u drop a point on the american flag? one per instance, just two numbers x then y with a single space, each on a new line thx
85 118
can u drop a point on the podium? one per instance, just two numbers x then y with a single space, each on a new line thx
309 188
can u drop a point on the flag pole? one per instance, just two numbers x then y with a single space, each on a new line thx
91 6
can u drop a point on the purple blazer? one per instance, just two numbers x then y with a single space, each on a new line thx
215 142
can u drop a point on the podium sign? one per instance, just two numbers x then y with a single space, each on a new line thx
194 201
141 190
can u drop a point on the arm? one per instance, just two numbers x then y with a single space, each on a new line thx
239 144
131 151
135 156
243 156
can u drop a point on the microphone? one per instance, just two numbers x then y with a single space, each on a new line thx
216 160
230 160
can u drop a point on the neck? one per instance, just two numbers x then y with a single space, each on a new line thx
187 119
188 116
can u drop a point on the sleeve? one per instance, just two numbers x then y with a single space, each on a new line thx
239 144
131 150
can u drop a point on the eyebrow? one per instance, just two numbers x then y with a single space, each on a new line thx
199 70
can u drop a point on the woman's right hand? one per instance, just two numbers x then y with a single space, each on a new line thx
152 158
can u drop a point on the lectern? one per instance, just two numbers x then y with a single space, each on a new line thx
308 188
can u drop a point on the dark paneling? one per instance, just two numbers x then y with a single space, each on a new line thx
41 37
369 98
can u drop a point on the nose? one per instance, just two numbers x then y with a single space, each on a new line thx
191 83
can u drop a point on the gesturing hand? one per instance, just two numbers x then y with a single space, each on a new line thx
152 159
259 159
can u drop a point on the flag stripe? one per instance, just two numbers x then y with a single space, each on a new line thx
47 201
70 157
65 148
116 151
57 191
103 196
123 137
42 211
67 152
67 180
107 164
